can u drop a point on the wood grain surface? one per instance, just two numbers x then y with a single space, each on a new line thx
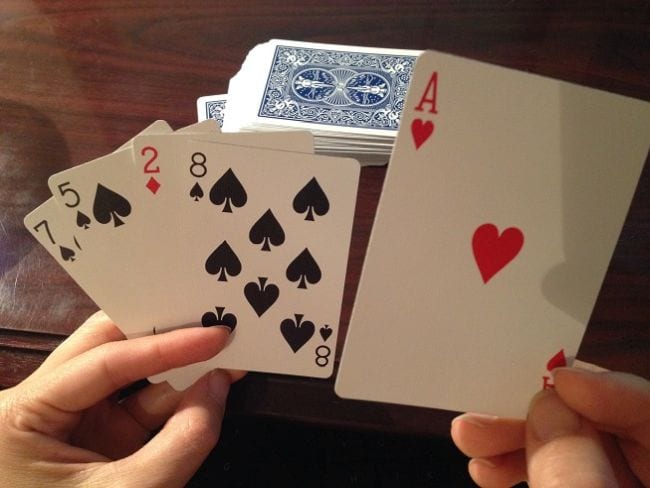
78 78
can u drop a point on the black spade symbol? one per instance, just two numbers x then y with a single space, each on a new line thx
325 332
223 261
110 206
304 268
209 319
267 231
228 189
83 220
67 254
261 297
311 199
196 192
296 333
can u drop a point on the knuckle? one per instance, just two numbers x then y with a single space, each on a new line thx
160 356
20 415
110 366
99 325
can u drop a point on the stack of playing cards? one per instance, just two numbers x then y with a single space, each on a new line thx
198 227
349 97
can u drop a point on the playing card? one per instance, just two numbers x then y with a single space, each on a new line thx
104 284
55 235
266 238
156 127
502 204
211 107
201 127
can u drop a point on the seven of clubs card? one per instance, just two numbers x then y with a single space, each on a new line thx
504 197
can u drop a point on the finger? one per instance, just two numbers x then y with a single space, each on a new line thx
563 449
484 435
499 471
96 330
172 457
618 403
91 377
153 405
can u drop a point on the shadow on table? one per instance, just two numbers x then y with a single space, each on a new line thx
31 149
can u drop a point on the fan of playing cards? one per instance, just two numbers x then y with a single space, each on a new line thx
350 97
197 227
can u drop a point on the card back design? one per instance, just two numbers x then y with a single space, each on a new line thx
336 87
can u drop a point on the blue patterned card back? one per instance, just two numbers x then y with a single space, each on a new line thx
214 109
337 88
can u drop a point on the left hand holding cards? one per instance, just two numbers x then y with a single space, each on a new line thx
63 425
592 429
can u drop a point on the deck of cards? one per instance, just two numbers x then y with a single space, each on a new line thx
349 97
502 204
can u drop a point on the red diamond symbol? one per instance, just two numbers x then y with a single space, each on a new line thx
153 185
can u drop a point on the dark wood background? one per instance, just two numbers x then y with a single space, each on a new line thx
78 78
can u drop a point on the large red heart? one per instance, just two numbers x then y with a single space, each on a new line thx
493 251
421 131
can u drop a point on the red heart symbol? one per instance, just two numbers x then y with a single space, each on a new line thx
421 131
493 251
557 361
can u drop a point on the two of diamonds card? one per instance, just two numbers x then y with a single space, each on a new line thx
192 228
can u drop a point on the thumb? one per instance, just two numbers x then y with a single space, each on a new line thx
618 403
172 457
562 448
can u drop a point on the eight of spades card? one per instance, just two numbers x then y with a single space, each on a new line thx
265 252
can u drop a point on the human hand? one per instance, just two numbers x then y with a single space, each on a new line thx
63 426
592 430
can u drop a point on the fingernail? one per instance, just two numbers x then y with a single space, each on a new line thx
585 366
482 462
478 419
579 370
218 386
223 327
549 417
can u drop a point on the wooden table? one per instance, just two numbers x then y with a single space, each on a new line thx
78 78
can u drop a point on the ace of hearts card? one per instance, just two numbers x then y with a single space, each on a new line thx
503 201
